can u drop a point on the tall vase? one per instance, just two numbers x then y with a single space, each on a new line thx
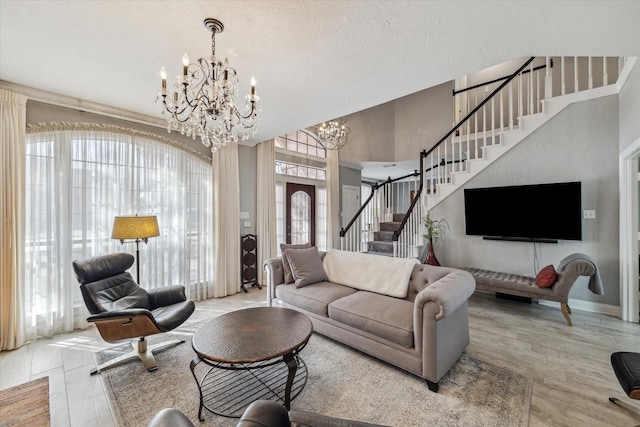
431 255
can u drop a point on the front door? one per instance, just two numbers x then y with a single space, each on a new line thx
301 213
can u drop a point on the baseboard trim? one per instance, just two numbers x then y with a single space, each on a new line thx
593 307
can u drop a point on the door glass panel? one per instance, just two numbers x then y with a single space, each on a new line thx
300 217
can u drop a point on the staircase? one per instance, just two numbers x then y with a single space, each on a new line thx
382 243
495 123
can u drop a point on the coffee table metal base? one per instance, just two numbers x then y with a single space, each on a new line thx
227 389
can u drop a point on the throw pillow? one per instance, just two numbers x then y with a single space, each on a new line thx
288 277
546 277
306 266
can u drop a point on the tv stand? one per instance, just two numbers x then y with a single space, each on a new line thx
520 239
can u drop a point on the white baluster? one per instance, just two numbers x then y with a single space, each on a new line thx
440 174
590 82
501 110
468 125
537 109
459 139
520 99
475 124
548 79
511 112
484 125
563 87
621 61
444 172
575 74
531 100
493 122
605 76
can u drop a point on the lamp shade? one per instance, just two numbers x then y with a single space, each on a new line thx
135 227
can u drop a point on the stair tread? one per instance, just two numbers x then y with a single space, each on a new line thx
378 253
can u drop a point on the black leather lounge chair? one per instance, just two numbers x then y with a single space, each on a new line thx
122 310
626 366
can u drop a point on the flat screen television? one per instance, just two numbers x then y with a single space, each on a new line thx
525 212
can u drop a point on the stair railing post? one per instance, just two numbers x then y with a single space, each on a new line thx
548 79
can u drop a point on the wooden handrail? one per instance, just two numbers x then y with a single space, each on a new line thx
479 106
424 154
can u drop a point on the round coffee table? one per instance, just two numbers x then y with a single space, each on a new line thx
250 354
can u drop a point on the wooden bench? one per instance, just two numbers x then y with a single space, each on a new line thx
525 286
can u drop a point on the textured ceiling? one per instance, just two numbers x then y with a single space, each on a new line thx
313 60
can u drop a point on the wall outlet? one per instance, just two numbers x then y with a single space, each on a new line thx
246 224
589 214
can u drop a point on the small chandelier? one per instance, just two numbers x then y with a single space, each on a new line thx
333 134
202 103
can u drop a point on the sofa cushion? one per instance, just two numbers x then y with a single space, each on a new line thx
383 316
288 276
306 266
314 298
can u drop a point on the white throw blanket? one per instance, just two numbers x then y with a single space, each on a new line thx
374 273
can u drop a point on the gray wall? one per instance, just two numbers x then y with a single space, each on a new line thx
400 129
579 144
248 164
348 176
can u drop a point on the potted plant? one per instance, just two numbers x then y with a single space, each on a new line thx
433 230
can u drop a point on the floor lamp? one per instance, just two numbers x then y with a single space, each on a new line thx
135 229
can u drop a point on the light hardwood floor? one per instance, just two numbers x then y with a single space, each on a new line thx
570 366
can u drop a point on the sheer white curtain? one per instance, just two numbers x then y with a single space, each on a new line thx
13 114
333 199
226 221
266 204
78 178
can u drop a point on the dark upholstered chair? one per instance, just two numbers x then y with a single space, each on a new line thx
626 366
262 413
123 310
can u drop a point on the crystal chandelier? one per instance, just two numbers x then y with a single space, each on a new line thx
202 102
333 134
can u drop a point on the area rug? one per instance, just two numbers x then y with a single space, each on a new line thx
25 404
342 382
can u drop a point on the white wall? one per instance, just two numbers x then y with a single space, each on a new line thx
579 144
630 109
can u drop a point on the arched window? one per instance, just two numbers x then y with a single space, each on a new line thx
78 178
302 142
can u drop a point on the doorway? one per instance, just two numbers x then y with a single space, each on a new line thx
350 203
300 214
629 214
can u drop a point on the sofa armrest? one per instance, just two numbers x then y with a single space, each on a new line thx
569 274
449 292
274 276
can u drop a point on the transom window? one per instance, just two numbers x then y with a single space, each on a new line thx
302 171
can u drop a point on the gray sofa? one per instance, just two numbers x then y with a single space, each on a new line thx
424 333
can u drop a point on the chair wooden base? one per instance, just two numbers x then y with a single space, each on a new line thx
143 352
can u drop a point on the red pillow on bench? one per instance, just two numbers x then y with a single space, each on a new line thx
547 276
